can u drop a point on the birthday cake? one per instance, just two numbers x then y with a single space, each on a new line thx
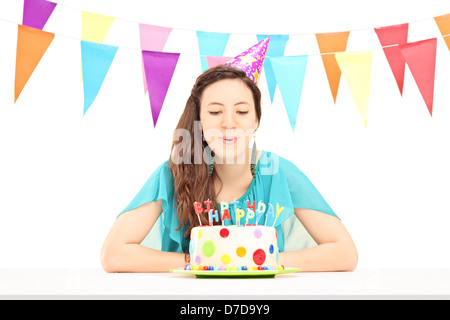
233 248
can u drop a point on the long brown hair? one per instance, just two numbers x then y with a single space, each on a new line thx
191 180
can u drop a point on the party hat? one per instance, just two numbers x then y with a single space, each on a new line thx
251 61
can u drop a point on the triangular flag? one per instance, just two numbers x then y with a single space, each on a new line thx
421 59
357 70
94 27
330 43
211 44
276 49
443 23
31 45
37 12
152 38
159 69
290 75
96 58
390 37
213 61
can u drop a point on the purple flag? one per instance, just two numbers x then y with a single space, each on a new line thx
37 12
159 68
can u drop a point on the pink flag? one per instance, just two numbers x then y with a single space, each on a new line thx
421 59
393 36
214 61
153 38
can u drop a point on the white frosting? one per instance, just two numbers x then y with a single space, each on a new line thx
234 246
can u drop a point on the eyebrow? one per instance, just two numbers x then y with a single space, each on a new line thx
221 104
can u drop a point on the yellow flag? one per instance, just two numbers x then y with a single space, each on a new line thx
357 70
94 28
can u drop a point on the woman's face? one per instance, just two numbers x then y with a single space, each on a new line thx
228 117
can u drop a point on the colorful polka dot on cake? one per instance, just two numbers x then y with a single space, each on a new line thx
259 256
224 232
226 259
208 248
241 251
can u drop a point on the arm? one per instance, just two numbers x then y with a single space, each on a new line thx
335 250
122 252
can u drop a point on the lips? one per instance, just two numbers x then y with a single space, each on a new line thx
229 140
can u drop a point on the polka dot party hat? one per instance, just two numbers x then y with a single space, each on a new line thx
251 61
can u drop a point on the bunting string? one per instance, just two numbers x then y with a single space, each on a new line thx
287 72
443 36
232 33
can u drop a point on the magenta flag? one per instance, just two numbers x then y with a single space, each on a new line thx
37 12
159 68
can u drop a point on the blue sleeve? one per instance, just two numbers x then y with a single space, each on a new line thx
158 186
302 191
165 235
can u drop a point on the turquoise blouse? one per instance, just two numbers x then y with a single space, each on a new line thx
277 181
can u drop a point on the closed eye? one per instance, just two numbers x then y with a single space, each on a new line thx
215 113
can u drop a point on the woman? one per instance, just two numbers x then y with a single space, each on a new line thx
213 162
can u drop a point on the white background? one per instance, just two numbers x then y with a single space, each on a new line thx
65 177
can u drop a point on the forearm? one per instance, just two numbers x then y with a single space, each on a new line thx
137 258
324 257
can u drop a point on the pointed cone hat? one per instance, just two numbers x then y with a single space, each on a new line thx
251 61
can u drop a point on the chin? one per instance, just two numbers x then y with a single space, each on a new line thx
230 155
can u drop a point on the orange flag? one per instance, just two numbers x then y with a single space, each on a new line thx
31 46
331 43
443 23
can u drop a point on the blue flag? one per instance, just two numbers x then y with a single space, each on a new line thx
290 74
211 44
96 58
276 49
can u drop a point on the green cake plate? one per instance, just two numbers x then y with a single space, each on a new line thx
235 273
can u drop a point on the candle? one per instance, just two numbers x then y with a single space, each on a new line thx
260 211
226 215
278 213
198 210
208 205
223 207
269 212
213 216
239 214
250 215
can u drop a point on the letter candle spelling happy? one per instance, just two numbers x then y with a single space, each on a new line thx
252 211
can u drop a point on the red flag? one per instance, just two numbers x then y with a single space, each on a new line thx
421 59
394 35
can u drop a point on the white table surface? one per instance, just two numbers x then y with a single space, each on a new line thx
360 284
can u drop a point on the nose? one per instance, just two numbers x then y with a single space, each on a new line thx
228 120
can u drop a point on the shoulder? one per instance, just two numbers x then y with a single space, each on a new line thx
273 163
161 172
